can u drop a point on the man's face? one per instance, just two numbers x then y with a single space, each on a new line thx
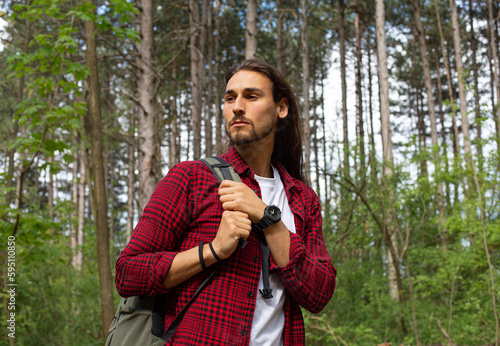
249 108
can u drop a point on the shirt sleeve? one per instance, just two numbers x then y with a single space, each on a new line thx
143 265
309 277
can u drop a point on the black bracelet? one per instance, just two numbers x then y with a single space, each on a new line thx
213 251
200 252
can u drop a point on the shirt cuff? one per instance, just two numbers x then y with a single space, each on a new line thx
160 271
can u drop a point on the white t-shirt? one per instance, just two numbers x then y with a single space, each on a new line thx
269 318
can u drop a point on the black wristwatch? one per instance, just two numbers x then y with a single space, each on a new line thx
272 214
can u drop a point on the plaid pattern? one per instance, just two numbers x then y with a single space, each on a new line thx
184 210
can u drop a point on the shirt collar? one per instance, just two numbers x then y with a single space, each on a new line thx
240 166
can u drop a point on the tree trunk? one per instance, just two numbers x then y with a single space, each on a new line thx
492 79
448 74
173 125
251 30
218 82
147 87
74 207
315 131
196 61
209 147
427 77
81 211
305 88
477 106
394 275
431 109
496 71
101 203
341 20
372 160
131 176
443 130
359 97
461 85
280 41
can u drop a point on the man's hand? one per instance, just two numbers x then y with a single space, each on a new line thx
233 226
239 197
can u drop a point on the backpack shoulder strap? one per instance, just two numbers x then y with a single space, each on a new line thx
221 169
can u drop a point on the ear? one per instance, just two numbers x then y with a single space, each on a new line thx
283 108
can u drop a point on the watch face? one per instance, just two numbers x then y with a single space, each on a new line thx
274 212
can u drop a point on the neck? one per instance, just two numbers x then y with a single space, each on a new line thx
257 156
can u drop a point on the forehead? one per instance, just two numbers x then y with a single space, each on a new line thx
247 80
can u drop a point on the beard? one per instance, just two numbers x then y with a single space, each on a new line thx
243 137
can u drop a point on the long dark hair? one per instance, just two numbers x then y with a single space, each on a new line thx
288 141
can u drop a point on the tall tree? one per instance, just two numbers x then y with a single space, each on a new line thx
251 30
305 86
280 39
477 105
100 209
422 45
217 72
394 275
359 93
196 78
457 41
345 124
496 70
147 86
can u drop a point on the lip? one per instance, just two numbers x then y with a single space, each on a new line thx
239 123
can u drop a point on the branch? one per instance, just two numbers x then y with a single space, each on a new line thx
443 331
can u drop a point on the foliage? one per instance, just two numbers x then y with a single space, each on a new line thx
446 279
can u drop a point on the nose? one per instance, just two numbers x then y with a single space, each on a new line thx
238 106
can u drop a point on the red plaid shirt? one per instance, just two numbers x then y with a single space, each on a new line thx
184 210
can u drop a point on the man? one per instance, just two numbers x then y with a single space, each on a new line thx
192 222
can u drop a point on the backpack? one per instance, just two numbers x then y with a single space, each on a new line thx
139 321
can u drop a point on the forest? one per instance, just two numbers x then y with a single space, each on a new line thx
401 135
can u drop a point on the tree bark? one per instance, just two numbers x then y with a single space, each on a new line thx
74 208
496 70
305 89
345 127
196 81
99 188
394 275
477 106
360 132
280 41
131 176
431 109
251 30
457 41
448 74
81 211
209 146
147 88
218 82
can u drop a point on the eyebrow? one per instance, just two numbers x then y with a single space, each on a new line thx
246 90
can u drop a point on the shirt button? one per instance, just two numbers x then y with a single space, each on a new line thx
244 332
255 258
250 294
